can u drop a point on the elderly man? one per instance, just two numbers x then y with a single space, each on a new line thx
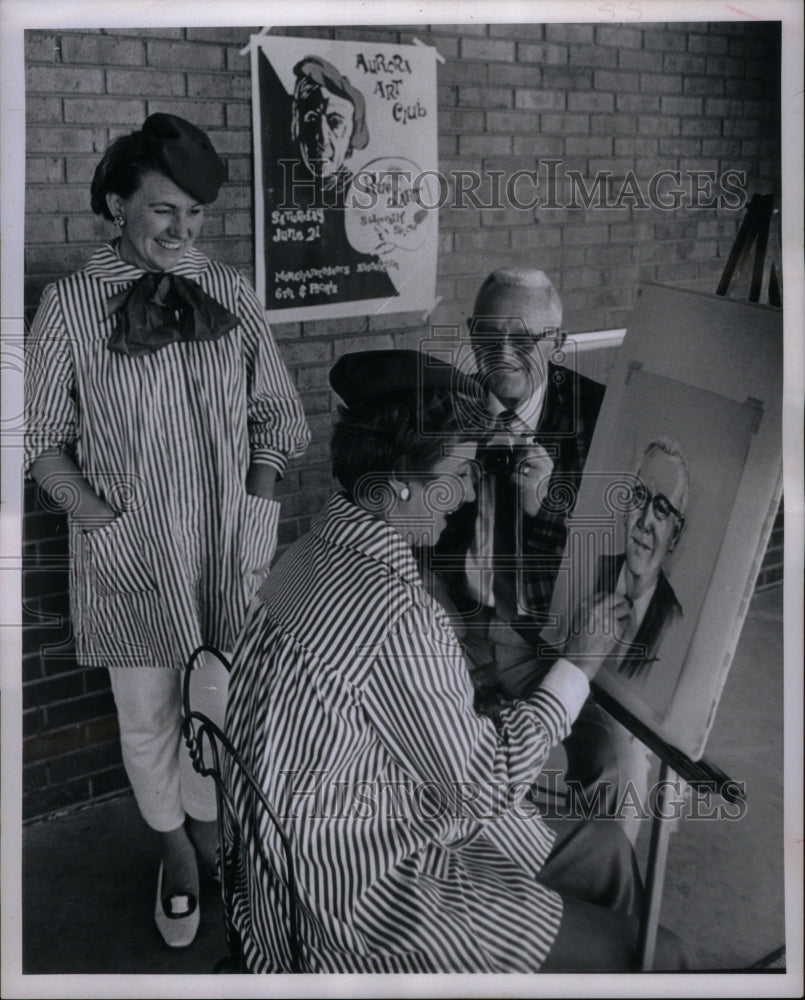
550 413
653 527
543 417
497 562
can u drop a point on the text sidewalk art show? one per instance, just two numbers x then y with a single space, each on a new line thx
346 181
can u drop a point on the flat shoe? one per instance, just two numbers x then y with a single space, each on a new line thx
177 916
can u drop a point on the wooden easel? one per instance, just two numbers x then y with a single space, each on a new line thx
674 764
755 229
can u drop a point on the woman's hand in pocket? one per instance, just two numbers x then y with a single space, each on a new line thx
59 476
93 513
261 480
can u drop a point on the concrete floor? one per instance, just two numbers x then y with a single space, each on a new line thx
724 889
89 877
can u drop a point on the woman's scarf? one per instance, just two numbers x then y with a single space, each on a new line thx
161 309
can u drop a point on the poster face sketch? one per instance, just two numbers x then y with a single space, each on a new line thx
328 122
343 218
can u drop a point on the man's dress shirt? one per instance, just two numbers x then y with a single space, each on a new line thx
653 613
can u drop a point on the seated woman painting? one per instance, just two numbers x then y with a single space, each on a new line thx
416 845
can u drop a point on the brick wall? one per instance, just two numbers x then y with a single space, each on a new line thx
630 100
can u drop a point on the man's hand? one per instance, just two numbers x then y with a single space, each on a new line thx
593 636
531 477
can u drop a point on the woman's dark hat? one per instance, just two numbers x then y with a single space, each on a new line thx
186 155
367 375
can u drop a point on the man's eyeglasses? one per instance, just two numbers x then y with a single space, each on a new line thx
661 506
488 332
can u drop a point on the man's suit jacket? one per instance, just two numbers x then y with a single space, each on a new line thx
566 428
662 611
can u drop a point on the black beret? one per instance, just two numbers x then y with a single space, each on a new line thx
186 155
371 374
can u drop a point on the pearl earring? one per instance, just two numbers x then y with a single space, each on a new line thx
120 221
405 493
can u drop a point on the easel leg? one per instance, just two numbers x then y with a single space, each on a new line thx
655 870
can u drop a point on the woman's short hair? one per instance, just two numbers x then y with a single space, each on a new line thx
404 431
121 170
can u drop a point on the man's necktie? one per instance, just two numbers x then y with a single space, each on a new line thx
504 580
625 627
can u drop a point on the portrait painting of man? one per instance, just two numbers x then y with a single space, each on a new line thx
654 508
653 525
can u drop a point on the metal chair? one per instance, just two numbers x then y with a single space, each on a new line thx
213 755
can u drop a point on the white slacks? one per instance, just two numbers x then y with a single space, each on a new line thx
157 762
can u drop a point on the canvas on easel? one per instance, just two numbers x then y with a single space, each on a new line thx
676 505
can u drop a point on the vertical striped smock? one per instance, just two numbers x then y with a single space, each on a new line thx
166 439
352 705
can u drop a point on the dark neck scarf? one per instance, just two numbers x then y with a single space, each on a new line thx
161 309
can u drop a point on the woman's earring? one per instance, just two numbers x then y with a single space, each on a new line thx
120 221
405 493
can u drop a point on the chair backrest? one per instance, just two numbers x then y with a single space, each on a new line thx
239 794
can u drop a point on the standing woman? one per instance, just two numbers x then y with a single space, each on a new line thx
158 415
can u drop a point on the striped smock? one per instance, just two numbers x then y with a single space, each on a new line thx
166 439
415 848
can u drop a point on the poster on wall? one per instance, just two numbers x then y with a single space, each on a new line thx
346 183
